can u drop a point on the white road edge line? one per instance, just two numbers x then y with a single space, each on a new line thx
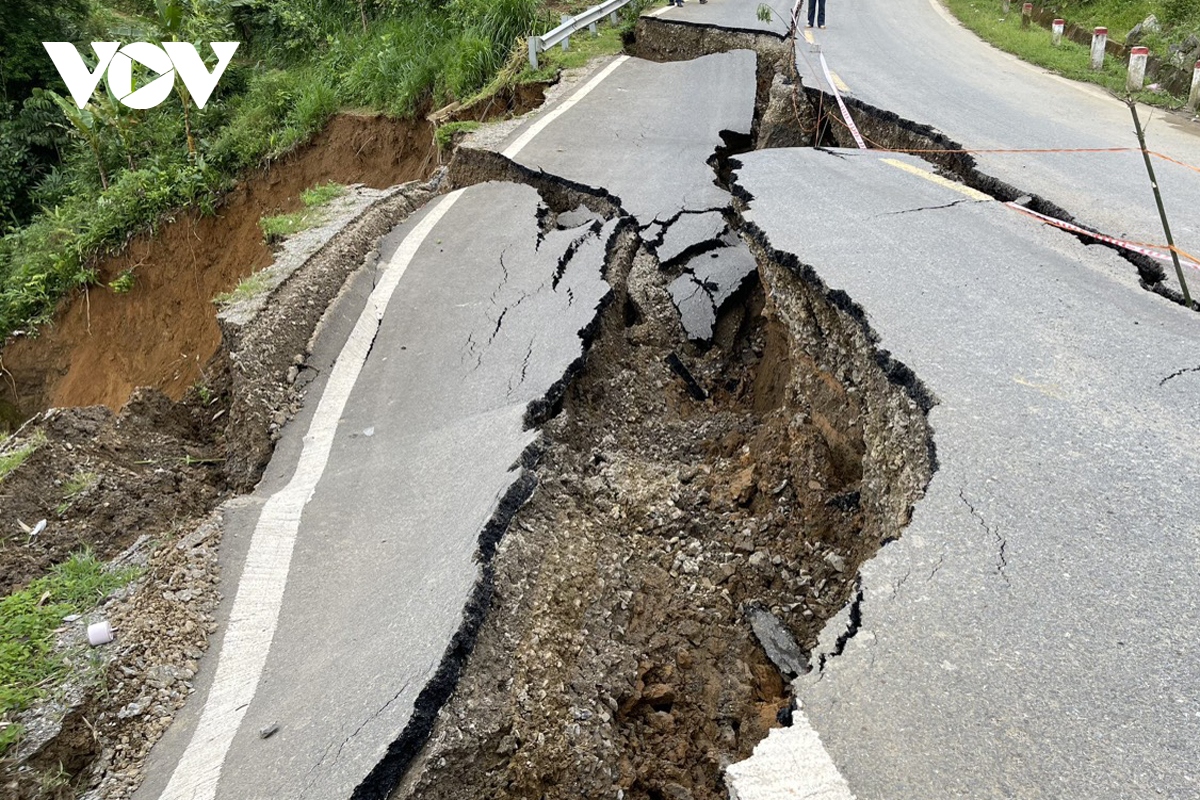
256 607
255 614
562 108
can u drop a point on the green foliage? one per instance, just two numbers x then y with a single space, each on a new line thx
28 619
28 23
11 460
123 283
281 226
250 286
75 183
81 482
445 134
322 194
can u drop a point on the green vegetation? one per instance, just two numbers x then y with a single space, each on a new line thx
82 481
283 225
75 183
123 283
583 48
10 461
250 286
1179 20
29 666
445 133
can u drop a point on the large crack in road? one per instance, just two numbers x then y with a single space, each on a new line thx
734 448
707 472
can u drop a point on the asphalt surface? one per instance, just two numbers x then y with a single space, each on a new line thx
1032 634
384 558
645 134
911 58
348 572
729 14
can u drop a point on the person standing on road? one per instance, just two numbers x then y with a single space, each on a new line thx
819 14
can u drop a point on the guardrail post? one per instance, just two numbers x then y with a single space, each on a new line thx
533 51
1056 31
566 43
1194 97
613 19
1099 41
1137 69
594 29
1026 14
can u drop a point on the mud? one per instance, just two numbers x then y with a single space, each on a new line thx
164 333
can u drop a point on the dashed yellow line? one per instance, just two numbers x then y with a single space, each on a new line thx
839 83
808 36
938 179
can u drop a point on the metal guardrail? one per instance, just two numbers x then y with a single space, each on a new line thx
570 25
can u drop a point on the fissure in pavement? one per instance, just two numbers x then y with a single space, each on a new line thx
687 488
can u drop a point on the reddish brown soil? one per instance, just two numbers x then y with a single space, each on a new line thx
164 332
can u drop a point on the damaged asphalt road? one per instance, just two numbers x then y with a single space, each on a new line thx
384 563
1038 358
1033 630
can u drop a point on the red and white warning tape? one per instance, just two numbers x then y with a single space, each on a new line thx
1100 237
858 139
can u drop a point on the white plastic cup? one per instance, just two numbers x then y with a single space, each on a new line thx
99 633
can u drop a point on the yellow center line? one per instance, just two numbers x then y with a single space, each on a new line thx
839 83
938 179
808 37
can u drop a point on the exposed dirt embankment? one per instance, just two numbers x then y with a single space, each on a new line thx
163 333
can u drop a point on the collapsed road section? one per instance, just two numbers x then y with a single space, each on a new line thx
716 478
728 453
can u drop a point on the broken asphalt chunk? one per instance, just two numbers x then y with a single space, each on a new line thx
694 388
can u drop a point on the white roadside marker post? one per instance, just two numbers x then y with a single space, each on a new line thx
1099 41
1137 69
1056 31
1194 98
566 42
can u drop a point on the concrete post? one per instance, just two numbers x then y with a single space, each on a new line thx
612 19
1194 97
1026 14
1056 31
1099 40
566 43
1005 7
594 29
1137 69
